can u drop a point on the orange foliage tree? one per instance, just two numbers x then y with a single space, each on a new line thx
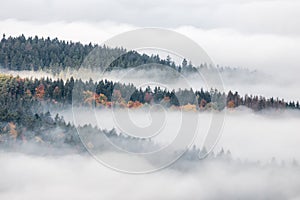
189 107
134 104
40 91
230 104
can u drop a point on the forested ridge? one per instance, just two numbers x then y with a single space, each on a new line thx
21 92
34 53
54 55
20 53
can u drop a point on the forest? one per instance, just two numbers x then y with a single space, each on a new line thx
21 53
25 102
54 55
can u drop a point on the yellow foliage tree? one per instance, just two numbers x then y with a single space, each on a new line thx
189 107
12 130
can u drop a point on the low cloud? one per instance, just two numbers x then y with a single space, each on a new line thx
81 177
248 135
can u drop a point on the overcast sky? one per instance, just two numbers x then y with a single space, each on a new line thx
257 34
249 16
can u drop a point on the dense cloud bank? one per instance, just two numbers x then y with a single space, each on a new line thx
248 135
34 177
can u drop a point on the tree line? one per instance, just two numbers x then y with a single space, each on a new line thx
34 53
104 93
54 55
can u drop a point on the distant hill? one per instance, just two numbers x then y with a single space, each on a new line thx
34 53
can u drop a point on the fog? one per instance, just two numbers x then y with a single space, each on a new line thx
260 35
243 81
248 135
81 177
